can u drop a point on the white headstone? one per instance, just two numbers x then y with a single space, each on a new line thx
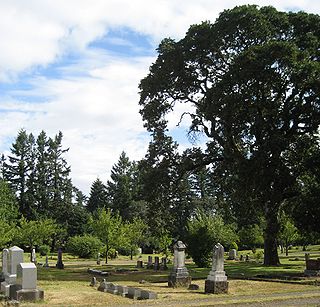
33 256
179 255
15 257
217 272
5 260
232 254
27 275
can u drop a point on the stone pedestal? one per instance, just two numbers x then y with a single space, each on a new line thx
216 281
25 288
31 295
216 287
179 276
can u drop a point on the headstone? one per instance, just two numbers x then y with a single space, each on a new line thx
232 254
5 260
98 259
149 264
46 264
93 282
139 264
216 281
156 263
112 288
312 266
103 287
122 290
148 295
13 256
33 256
179 276
134 293
139 250
25 288
60 264
163 265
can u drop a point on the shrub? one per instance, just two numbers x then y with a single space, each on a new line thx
234 245
85 246
44 250
204 231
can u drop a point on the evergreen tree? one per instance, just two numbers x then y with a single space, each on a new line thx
120 187
98 196
17 171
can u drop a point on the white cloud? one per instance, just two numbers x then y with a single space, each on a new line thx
93 100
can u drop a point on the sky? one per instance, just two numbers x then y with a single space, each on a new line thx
75 66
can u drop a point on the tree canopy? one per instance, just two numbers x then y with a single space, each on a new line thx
252 80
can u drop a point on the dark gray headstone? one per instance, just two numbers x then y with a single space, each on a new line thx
60 264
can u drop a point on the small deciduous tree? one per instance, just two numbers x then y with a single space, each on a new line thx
135 233
288 233
33 233
108 228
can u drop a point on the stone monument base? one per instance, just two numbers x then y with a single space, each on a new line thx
175 281
31 295
5 288
216 287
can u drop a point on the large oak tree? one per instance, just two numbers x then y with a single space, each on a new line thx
252 78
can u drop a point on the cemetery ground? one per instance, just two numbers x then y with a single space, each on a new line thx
250 283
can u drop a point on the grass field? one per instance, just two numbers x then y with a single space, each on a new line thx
248 282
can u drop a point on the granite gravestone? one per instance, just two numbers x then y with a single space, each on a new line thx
232 254
60 264
13 256
179 276
25 288
216 281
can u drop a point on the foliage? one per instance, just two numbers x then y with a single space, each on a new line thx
9 208
98 196
7 233
123 188
39 174
163 243
251 236
108 228
85 246
288 233
134 234
44 249
34 233
204 231
251 82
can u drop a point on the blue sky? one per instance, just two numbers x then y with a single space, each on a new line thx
75 66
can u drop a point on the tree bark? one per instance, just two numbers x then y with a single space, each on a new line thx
107 249
270 239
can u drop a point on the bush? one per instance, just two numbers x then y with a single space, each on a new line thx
84 246
204 231
234 245
44 250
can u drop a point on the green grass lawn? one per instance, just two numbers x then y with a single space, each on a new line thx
70 287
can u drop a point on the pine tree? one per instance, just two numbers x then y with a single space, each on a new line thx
120 187
98 196
17 171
